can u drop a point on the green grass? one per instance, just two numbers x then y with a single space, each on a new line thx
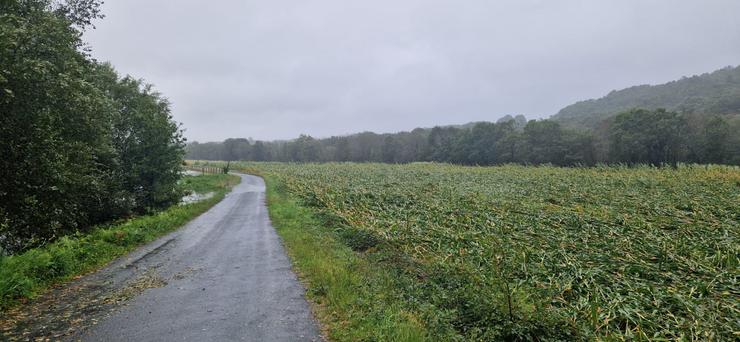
26 275
513 252
354 299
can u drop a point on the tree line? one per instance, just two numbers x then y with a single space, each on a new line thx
80 144
638 136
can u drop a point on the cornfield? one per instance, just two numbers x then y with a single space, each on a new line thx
544 253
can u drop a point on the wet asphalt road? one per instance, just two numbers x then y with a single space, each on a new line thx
223 277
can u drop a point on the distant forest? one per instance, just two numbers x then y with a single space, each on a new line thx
692 120
712 93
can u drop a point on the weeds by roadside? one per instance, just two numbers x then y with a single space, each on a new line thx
24 275
353 298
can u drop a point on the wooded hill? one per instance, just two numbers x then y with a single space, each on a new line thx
717 92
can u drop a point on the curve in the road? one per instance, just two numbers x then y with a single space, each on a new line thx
222 277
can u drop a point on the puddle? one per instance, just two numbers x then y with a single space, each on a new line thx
195 197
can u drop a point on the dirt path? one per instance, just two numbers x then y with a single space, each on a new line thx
222 277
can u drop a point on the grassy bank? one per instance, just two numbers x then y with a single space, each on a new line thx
354 298
24 275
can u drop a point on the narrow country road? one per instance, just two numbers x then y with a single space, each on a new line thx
224 276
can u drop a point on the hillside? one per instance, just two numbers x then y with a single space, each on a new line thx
716 93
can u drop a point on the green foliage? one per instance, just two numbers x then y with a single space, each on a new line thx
481 143
544 141
236 149
716 93
28 273
148 143
525 253
715 141
80 145
637 136
648 137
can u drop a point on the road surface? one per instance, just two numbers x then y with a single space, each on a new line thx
222 277
225 276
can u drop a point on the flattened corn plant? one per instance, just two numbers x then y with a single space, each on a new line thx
543 253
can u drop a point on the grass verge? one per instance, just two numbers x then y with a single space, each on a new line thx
354 298
25 275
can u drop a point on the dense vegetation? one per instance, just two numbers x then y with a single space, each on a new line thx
637 136
507 253
28 273
80 144
717 93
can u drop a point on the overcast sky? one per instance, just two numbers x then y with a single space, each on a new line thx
274 69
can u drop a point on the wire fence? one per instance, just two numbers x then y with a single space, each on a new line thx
205 169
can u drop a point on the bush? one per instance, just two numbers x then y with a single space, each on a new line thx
80 145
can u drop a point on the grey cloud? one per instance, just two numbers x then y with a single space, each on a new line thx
275 69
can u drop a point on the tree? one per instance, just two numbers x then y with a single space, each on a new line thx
305 149
544 142
579 148
644 136
56 160
237 149
390 149
259 152
716 141
441 143
342 149
79 144
149 145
